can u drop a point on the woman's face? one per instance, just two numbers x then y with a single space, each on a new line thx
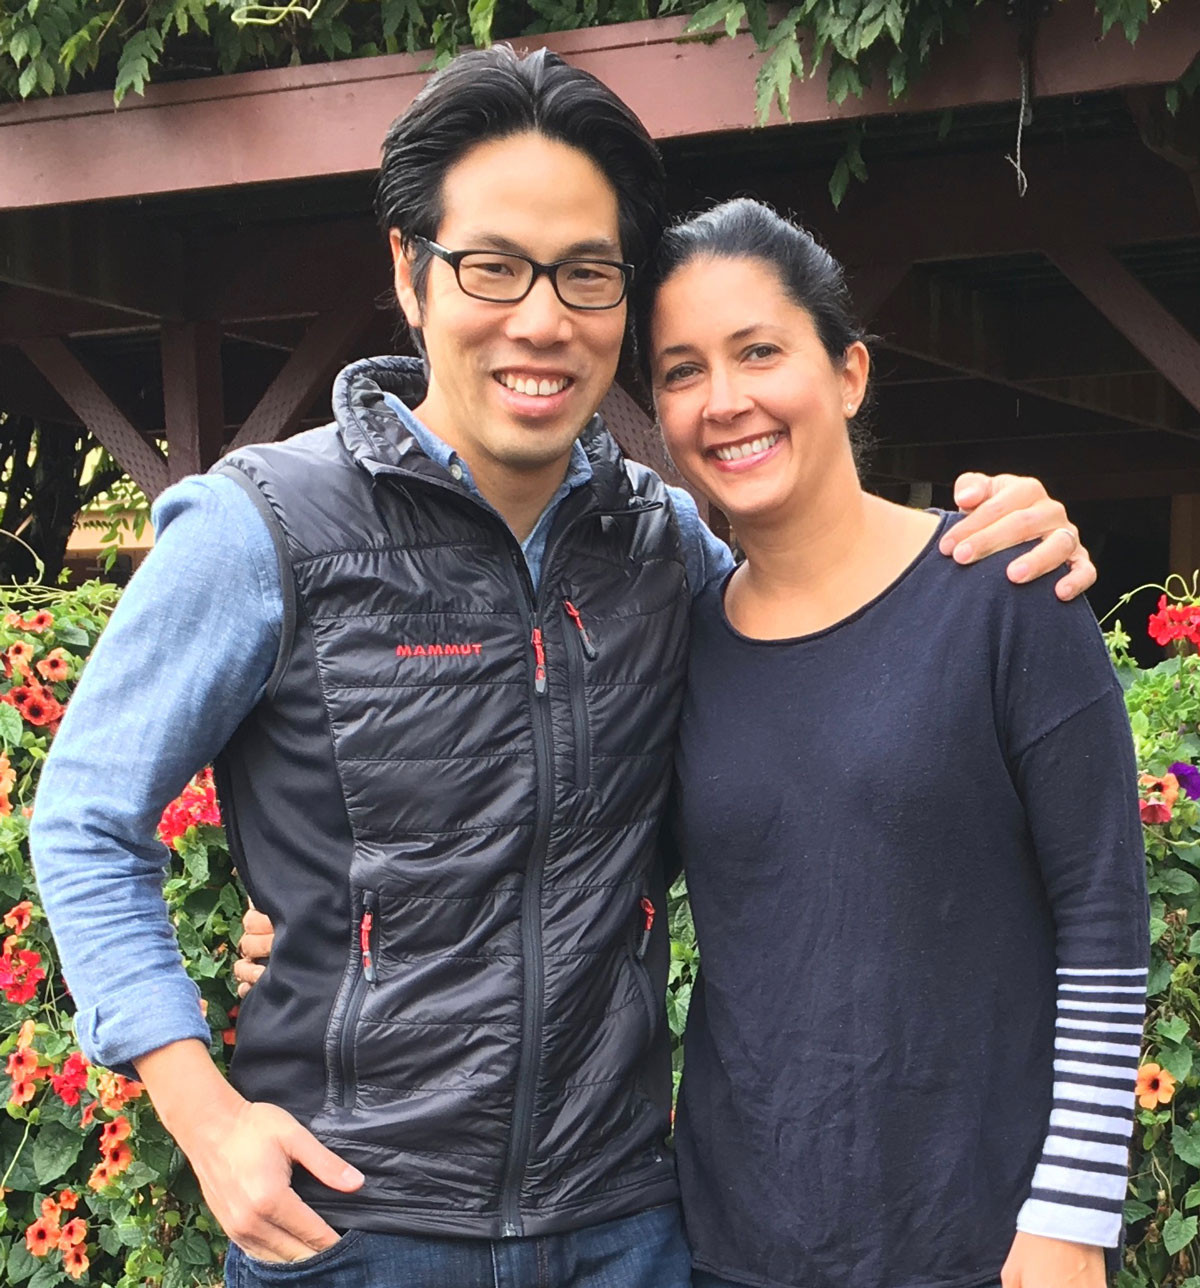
752 407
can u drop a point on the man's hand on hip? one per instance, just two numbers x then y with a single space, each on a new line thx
243 1154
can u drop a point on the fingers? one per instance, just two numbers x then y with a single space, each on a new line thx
972 489
322 1162
256 923
247 975
256 947
1081 577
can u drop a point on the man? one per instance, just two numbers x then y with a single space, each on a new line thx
437 650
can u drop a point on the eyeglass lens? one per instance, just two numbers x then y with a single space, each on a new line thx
584 283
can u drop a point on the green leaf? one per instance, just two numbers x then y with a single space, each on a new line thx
1177 1061
54 1151
1136 1210
1173 881
1178 1232
21 1264
715 13
481 13
1192 1198
192 1248
1186 1144
48 1274
69 633
758 21
1173 1030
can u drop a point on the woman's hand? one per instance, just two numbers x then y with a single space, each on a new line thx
1007 509
258 938
1037 1262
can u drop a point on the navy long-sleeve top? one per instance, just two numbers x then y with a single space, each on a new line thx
916 867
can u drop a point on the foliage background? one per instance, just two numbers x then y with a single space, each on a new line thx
145 1223
50 46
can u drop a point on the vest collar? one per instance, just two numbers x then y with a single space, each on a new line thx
381 444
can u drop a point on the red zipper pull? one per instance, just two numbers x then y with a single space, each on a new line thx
647 925
539 657
364 943
589 649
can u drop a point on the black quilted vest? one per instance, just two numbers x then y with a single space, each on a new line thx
448 802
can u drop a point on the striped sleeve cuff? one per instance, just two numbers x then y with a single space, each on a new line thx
1078 1190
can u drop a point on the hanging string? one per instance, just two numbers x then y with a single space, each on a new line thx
1025 118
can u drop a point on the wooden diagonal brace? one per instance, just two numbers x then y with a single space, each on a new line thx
313 363
78 388
1165 343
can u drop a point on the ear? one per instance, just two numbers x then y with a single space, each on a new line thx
406 294
856 369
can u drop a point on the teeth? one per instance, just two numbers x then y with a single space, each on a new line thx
738 451
533 388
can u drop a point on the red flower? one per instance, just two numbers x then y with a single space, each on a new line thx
1154 811
72 1079
38 705
196 804
18 917
20 974
42 1236
1175 622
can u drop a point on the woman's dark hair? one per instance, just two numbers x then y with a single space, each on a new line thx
489 94
746 229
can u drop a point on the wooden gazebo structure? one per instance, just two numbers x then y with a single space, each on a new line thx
191 269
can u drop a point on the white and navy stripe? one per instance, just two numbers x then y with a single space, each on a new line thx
1078 1188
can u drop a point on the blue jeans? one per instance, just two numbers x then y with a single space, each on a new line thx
643 1251
702 1279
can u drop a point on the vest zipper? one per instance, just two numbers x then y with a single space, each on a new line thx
641 974
577 652
532 961
364 977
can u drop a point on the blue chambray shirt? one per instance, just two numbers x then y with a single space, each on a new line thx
185 657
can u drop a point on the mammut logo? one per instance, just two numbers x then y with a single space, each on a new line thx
438 650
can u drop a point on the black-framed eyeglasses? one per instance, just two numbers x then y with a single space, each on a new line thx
501 277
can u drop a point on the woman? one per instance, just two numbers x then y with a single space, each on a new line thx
907 808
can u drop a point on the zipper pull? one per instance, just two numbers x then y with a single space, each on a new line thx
365 926
647 907
589 649
539 657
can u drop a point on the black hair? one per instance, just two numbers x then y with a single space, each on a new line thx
488 94
810 276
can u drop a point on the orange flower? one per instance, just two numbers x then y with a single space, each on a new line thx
42 1236
116 1157
114 1132
1155 1086
8 775
25 1035
18 657
23 1091
51 1210
75 1261
67 1200
39 622
88 1115
75 1231
22 1063
55 666
115 1091
17 918
99 1178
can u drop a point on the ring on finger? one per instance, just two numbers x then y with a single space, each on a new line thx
1074 538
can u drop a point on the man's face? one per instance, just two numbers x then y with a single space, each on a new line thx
512 385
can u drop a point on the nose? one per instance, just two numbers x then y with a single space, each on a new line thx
726 399
541 318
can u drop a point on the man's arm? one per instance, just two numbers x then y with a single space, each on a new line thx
186 655
1002 511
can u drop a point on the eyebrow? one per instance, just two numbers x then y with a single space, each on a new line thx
742 333
589 248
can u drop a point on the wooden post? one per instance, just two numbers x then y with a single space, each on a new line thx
1185 534
193 405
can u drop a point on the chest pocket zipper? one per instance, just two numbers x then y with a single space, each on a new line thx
645 925
580 651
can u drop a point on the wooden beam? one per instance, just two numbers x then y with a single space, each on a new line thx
1130 307
973 332
141 460
326 346
124 263
193 407
872 285
329 118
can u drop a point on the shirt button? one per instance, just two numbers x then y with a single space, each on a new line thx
456 472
